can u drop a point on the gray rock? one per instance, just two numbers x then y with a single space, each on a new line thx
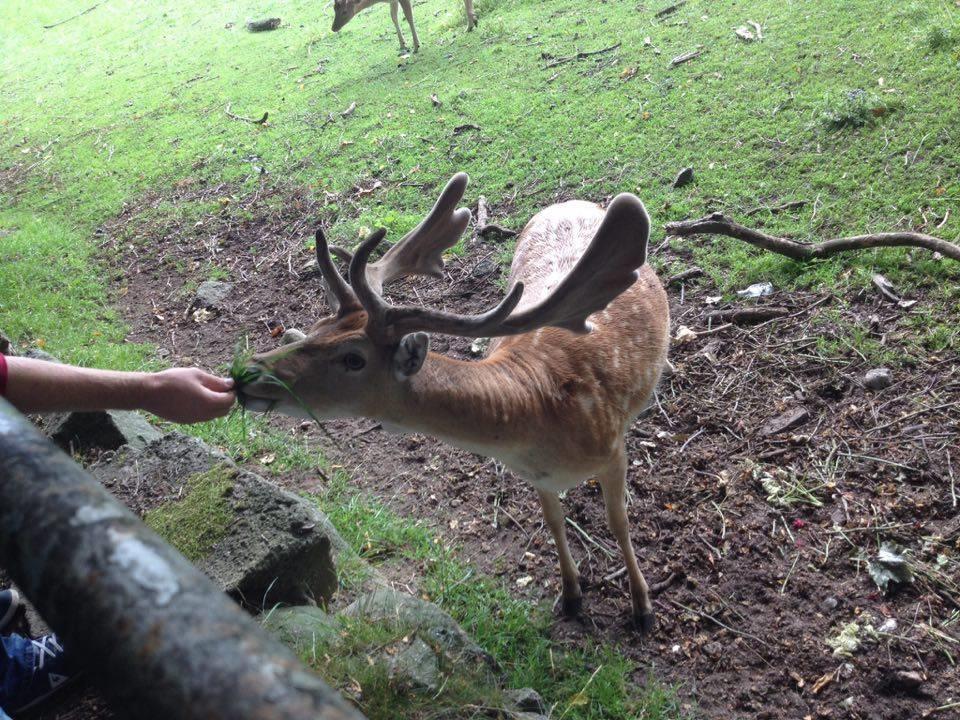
302 627
101 430
37 354
526 700
211 295
788 420
414 666
485 267
428 620
277 549
713 649
878 379
829 604
684 177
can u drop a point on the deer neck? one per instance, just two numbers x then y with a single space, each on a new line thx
479 406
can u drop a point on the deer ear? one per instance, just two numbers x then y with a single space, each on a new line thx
409 356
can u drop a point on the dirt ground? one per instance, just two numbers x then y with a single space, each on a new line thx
750 591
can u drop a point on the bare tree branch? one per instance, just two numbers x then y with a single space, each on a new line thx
717 224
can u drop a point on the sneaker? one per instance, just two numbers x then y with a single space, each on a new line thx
9 605
50 673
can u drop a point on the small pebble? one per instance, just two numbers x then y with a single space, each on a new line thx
829 604
878 379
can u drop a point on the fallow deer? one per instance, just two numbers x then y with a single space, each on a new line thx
581 340
344 10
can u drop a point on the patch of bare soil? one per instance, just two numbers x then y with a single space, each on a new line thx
751 590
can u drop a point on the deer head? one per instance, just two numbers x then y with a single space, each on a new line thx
343 12
356 362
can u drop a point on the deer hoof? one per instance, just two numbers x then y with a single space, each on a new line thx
644 622
572 605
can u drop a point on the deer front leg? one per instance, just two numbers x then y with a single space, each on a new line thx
394 4
613 482
408 14
569 575
471 18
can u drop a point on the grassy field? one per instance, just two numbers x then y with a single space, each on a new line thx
851 107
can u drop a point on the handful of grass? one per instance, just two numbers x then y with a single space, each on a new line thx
244 373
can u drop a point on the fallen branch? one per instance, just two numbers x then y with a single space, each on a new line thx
685 275
254 121
580 56
79 14
482 215
747 316
493 229
670 9
717 224
685 57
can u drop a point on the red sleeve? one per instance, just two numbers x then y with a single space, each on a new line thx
3 375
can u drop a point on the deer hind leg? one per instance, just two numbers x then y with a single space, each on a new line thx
569 575
408 14
394 4
613 481
471 17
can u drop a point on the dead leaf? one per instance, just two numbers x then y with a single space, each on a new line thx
822 682
684 335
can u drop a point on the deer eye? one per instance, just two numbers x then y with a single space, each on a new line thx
354 361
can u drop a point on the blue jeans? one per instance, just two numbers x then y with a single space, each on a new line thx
16 668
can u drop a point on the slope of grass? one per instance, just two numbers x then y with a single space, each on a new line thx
131 97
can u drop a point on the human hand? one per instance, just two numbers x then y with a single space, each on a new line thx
188 395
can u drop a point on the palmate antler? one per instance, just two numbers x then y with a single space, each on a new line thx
419 252
606 269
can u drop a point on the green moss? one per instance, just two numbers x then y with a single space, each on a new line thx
197 521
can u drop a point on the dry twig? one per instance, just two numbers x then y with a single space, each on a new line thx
580 56
74 17
718 224
254 121
670 9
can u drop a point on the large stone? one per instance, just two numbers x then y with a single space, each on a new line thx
276 547
425 618
100 430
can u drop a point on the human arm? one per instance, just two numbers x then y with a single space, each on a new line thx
182 395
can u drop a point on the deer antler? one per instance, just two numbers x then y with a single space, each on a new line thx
420 251
339 295
606 269
388 323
